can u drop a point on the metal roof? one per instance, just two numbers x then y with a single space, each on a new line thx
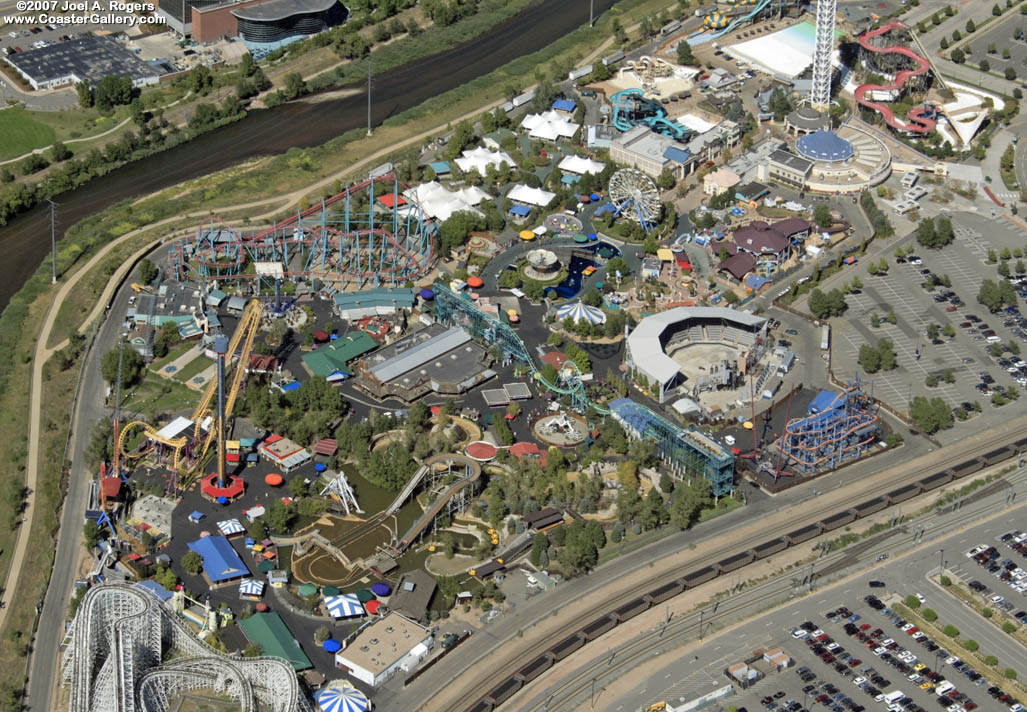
647 350
420 354
824 146
274 10
270 632
87 58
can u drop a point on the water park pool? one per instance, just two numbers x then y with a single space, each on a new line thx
572 285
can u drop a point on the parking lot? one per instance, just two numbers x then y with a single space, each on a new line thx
1001 32
904 291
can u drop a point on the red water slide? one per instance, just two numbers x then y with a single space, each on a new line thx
919 122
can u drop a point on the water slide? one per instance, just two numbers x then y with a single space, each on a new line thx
919 121
631 108
473 473
734 24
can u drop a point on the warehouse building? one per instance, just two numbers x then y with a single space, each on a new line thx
84 59
384 648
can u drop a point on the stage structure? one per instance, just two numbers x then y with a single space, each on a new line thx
114 660
820 95
366 236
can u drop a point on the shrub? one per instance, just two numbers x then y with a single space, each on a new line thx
1010 674
991 660
972 646
950 630
987 612
1008 627
946 581
912 602
929 615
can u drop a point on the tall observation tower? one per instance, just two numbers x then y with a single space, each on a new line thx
820 96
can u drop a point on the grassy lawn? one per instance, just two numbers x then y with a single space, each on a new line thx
173 353
157 395
21 133
196 366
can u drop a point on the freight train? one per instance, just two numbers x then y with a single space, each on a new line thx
506 689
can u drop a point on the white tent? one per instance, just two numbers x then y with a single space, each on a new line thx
578 311
344 606
521 193
251 587
580 166
230 527
548 125
479 158
438 202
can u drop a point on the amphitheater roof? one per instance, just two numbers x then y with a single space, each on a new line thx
647 350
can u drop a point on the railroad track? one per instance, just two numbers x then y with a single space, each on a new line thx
502 669
636 650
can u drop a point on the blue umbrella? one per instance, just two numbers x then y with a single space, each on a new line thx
332 645
592 236
319 467
427 294
594 196
222 499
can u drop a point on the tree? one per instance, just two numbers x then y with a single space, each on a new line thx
912 602
957 56
933 330
279 516
200 79
984 66
248 66
653 513
666 179
59 152
685 55
538 548
253 650
930 415
91 533
192 563
85 95
869 358
112 91
1010 674
929 615
822 215
948 330
131 366
925 232
297 487
147 271
823 305
970 26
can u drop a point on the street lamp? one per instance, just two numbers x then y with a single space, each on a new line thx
941 561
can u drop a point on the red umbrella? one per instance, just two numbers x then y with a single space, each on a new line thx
372 606
475 282
262 607
274 479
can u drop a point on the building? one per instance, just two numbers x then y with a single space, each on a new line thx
786 168
372 302
438 202
84 59
152 513
686 452
480 158
435 359
578 166
720 181
649 152
266 26
334 357
213 22
269 631
384 648
521 194
283 453
413 594
549 125
647 344
221 564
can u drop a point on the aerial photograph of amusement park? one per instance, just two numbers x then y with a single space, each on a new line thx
518 355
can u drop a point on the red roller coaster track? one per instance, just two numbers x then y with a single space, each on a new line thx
919 122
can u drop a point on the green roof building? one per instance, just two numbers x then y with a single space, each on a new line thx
334 356
269 632
373 302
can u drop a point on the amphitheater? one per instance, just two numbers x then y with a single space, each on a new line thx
126 651
690 345
867 165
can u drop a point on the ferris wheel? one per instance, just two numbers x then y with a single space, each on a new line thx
634 196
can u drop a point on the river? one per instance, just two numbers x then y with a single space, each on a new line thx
25 240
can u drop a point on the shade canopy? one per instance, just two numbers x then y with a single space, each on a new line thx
342 699
262 607
381 589
330 591
427 294
579 311
593 237
320 467
345 606
274 479
528 235
580 238
372 606
364 595
475 282
332 645
308 589
265 566
222 499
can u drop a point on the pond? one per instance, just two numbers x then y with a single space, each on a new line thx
570 287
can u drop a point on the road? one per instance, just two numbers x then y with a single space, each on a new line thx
668 661
458 679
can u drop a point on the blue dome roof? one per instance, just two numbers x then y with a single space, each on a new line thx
824 146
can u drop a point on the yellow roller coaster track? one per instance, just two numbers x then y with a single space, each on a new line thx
245 332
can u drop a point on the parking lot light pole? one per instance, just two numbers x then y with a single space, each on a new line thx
941 561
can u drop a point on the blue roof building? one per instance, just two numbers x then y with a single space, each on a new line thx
156 589
220 561
825 400
687 452
521 210
565 105
824 146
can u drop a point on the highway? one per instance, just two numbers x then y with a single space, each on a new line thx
459 680
669 660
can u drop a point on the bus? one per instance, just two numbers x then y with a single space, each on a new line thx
825 337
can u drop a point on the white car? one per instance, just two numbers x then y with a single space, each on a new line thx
879 651
996 599
906 627
912 677
817 633
799 633
920 598
857 681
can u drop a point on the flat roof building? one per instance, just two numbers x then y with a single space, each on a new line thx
786 168
269 25
384 648
84 59
372 302
336 355
269 631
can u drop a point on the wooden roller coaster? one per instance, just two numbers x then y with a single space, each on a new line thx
244 334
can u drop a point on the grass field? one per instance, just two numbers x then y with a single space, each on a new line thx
194 367
20 133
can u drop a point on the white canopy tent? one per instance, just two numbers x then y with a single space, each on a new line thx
521 193
548 126
479 158
580 166
439 203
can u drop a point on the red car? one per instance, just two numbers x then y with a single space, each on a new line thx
865 626
950 308
913 630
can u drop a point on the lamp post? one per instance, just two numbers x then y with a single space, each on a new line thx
941 561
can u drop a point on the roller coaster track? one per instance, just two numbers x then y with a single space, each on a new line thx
920 122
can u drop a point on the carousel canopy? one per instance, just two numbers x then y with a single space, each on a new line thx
251 587
342 699
579 311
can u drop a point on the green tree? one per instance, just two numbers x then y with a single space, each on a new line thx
279 516
147 271
248 66
912 602
85 95
972 646
91 533
131 366
253 650
957 56
951 631
970 26
822 215
192 563
869 358
666 180
653 513
685 55
929 615
1010 674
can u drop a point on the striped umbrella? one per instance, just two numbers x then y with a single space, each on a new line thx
578 311
342 699
345 606
251 587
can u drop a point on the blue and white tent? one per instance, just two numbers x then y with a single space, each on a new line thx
344 606
579 311
231 527
342 699
251 587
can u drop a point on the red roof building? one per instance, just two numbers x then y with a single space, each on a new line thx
111 487
556 359
326 447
